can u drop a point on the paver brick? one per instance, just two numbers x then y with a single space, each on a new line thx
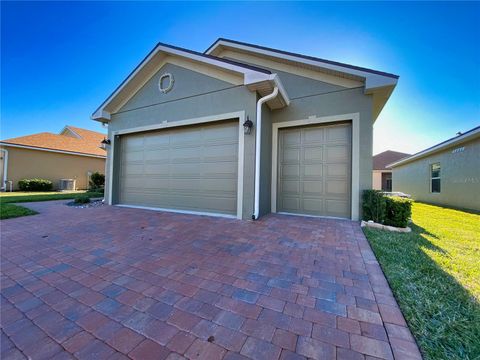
257 349
204 350
315 349
368 346
161 285
149 350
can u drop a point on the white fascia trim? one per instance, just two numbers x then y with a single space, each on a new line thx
74 133
52 150
372 81
355 188
250 76
187 212
278 83
240 115
458 140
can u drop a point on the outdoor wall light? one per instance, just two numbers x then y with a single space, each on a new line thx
106 142
247 126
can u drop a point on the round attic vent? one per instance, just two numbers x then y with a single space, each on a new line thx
165 83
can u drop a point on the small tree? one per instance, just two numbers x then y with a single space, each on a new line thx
97 181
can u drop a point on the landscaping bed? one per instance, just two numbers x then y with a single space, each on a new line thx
7 199
434 272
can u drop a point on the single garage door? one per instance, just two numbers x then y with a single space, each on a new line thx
314 170
187 168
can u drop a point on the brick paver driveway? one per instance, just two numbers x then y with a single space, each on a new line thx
113 283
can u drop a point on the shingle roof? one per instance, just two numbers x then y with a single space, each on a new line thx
360 68
380 161
88 144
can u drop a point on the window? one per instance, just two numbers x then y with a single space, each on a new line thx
435 178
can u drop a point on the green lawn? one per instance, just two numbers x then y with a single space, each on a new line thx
8 210
434 273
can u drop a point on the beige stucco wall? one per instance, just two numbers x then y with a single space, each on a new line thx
377 180
460 177
27 164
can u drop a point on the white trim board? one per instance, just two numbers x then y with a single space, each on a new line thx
355 178
51 150
240 115
187 212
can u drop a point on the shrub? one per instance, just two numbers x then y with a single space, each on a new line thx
373 205
398 211
35 185
82 199
97 180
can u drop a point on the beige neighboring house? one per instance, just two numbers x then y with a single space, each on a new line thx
382 175
445 174
74 153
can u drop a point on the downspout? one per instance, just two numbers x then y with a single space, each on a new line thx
258 143
5 169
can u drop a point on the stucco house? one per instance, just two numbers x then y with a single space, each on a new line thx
445 174
242 130
382 174
74 153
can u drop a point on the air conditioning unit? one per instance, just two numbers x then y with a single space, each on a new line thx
67 185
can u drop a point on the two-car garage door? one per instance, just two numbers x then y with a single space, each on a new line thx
190 168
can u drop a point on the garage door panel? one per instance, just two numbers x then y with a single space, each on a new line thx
291 187
312 206
133 156
337 153
194 168
155 140
291 204
314 170
290 171
292 138
336 207
133 143
336 187
314 135
157 155
338 134
337 170
155 169
313 153
291 155
312 187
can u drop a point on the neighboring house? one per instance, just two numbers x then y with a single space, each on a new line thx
382 175
241 131
445 174
74 153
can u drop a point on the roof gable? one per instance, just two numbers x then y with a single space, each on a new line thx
189 81
377 83
255 78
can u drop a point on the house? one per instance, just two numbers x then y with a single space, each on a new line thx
382 175
74 153
445 174
242 130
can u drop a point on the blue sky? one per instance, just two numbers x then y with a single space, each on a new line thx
60 60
